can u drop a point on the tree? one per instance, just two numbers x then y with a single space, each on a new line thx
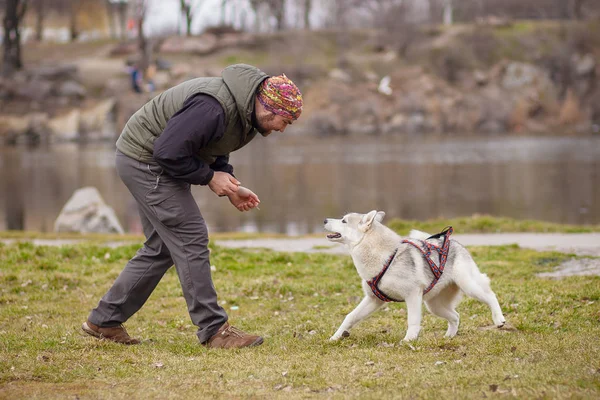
188 8
13 16
39 20
448 12
307 9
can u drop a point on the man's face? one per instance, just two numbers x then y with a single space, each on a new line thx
268 122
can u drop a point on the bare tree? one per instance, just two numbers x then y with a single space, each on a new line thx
448 12
307 10
13 16
188 9
39 20
141 9
277 8
74 7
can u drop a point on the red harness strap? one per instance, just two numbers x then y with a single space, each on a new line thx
443 254
374 283
437 271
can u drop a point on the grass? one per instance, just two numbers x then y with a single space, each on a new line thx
296 301
488 224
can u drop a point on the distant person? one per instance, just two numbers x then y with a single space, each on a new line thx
136 78
180 138
149 78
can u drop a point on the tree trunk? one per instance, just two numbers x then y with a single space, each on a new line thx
448 11
73 23
143 44
186 10
14 12
223 20
111 19
307 9
576 7
122 7
39 21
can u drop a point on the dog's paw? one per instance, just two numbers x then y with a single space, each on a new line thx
410 338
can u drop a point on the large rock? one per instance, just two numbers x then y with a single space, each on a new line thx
98 121
86 212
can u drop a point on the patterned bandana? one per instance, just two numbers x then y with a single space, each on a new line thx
279 95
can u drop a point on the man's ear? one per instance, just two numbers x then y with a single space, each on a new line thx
380 216
367 221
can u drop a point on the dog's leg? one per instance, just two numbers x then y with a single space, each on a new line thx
414 302
367 306
477 285
443 305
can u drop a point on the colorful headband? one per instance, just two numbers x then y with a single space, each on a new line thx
279 95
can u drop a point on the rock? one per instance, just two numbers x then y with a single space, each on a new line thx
65 127
71 89
384 86
480 78
36 90
55 73
584 65
340 75
86 212
98 121
518 75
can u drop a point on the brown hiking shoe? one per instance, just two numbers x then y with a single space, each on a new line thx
229 337
116 334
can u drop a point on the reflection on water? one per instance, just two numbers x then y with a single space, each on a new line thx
300 181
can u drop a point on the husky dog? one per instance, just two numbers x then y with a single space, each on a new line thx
372 246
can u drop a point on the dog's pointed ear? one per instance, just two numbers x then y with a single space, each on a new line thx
380 216
367 221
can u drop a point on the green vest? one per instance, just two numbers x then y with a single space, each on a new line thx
235 90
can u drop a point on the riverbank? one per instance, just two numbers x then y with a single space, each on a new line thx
532 77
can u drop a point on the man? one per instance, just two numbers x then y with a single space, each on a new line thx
180 138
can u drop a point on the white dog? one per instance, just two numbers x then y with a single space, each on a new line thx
405 274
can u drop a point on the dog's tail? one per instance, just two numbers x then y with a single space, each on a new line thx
415 234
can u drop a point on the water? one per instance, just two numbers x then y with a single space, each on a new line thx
302 180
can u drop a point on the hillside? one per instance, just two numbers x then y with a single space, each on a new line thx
498 78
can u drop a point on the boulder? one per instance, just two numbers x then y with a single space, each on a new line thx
98 121
65 127
86 212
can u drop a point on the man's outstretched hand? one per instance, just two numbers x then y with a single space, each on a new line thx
223 184
244 199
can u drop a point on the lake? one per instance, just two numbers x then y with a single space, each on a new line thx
302 180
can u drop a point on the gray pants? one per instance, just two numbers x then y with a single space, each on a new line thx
175 234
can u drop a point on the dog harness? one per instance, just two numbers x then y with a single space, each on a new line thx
426 248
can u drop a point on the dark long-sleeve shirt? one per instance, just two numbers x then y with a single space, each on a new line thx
200 120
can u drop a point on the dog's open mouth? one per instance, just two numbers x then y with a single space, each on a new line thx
334 235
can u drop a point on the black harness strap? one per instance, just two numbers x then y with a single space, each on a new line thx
435 269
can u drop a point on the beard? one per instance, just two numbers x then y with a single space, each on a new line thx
261 121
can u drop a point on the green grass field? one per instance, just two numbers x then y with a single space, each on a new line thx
296 301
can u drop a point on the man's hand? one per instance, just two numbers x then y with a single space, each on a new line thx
244 199
223 184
